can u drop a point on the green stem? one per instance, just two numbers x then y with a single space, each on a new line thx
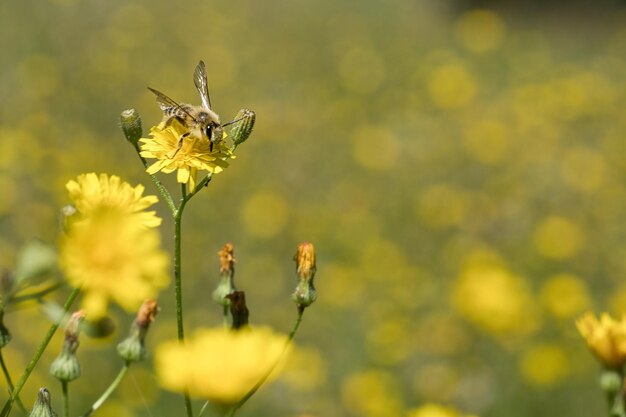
40 350
106 394
7 376
36 295
225 319
258 385
203 183
178 285
66 399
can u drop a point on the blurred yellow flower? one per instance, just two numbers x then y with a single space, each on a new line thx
434 410
372 394
480 31
187 157
451 86
91 193
558 238
217 364
495 300
605 337
113 256
544 365
109 248
565 296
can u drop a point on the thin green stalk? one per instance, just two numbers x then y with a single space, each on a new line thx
258 385
106 394
66 399
38 352
203 183
225 319
178 285
7 376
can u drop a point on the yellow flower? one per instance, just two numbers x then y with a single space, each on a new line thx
188 156
217 364
605 337
435 410
110 249
91 193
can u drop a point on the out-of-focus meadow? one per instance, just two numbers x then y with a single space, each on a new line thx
461 172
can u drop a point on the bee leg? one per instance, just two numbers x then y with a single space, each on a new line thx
180 144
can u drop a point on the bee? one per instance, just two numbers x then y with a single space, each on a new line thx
201 121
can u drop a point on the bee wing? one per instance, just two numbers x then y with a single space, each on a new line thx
166 103
200 80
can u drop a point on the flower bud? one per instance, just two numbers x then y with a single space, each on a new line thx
66 367
242 128
305 293
43 405
131 126
133 348
226 283
610 381
238 309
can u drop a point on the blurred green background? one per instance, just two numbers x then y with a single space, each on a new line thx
460 167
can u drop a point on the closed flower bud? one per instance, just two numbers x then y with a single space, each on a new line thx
133 348
226 283
66 367
242 128
305 293
43 405
131 126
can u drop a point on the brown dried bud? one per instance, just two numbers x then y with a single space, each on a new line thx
226 284
227 259
238 309
147 313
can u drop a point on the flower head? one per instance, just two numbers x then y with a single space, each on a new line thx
186 155
108 248
605 337
91 193
219 365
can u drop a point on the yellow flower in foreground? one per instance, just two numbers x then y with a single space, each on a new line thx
113 256
217 364
187 157
110 249
605 337
91 193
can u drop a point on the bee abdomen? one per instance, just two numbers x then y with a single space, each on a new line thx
181 112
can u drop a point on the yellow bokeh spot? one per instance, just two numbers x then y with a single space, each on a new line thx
487 141
565 296
584 169
375 147
344 289
451 86
362 70
388 341
441 205
558 238
544 365
265 214
371 394
480 31
495 300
